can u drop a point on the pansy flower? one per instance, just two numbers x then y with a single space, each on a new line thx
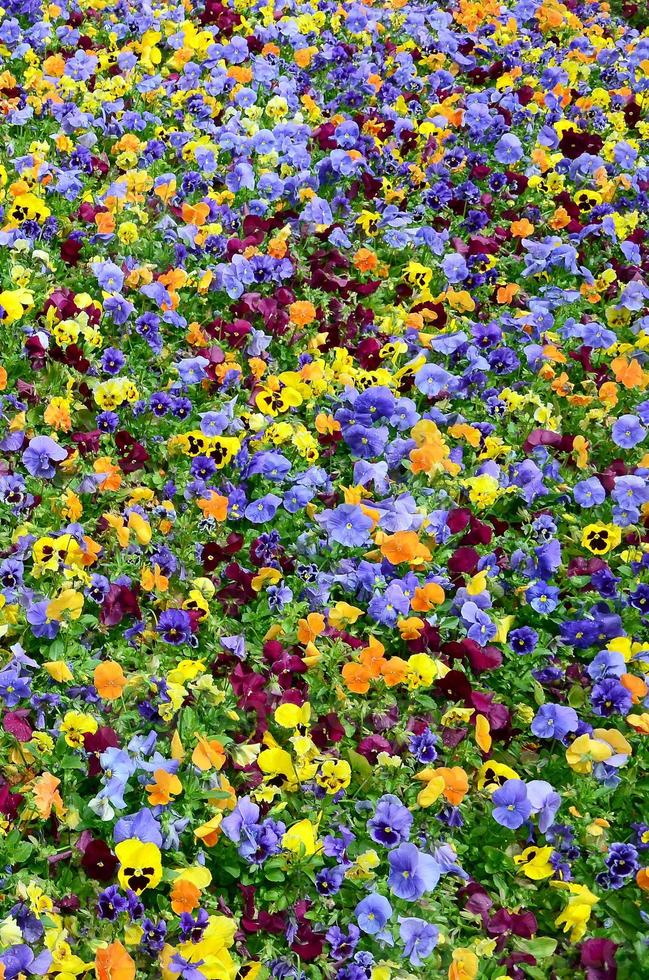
140 865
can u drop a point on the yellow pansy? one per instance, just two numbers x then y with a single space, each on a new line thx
364 865
42 743
277 762
456 716
75 725
301 838
58 670
69 602
535 862
483 490
266 576
39 902
26 207
140 865
10 932
342 614
585 751
423 670
601 538
334 775
186 670
210 955
630 649
197 602
576 914
276 401
289 715
493 774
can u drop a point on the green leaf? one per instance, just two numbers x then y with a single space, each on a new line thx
359 764
576 696
274 874
22 852
627 915
539 693
540 947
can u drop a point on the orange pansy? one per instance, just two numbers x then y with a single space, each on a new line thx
165 789
185 896
404 546
109 680
394 671
310 628
114 963
483 733
357 677
635 686
215 506
47 796
208 754
302 312
427 596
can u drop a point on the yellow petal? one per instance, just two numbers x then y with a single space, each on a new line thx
58 670
483 733
431 791
177 748
141 527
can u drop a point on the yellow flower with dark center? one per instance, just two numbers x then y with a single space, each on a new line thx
601 538
535 862
334 775
75 725
140 865
493 774
27 207
276 764
222 449
418 275
586 200
15 303
276 402
195 443
45 553
369 221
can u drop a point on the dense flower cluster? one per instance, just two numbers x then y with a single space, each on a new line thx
324 490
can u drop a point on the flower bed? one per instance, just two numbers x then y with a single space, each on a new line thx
324 490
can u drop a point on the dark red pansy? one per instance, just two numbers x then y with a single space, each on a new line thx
598 957
134 455
120 602
10 802
70 251
327 730
88 442
97 742
457 519
98 861
371 746
463 561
